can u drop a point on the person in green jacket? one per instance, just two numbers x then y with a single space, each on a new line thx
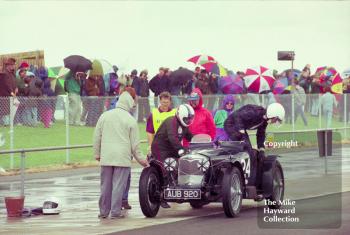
72 86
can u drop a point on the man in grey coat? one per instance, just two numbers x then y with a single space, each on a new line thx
116 142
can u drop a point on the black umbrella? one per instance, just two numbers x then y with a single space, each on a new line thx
77 63
180 77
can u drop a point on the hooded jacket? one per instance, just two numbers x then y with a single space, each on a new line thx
220 117
116 137
203 122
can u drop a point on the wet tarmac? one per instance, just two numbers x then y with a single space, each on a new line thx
79 193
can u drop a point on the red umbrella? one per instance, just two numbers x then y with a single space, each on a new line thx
201 59
258 79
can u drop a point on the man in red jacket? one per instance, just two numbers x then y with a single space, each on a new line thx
203 120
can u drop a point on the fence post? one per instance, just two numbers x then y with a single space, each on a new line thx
12 115
293 116
319 112
22 172
67 127
345 115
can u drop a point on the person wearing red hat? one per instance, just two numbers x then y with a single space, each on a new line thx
24 65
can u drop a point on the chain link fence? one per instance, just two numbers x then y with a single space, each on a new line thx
27 122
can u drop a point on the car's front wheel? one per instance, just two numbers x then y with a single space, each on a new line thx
232 191
149 191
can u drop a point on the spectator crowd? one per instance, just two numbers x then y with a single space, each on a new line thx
90 94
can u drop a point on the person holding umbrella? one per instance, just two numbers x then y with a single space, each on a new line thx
78 66
72 85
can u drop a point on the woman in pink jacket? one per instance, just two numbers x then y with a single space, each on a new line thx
203 120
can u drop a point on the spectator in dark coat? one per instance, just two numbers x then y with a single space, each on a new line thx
213 90
143 103
34 92
7 88
158 85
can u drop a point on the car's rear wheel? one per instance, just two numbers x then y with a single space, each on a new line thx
277 187
149 191
232 192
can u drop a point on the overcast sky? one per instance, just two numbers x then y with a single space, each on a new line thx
146 34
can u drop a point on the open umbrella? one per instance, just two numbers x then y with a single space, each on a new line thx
77 63
329 77
296 72
180 76
281 85
231 84
201 59
258 79
214 67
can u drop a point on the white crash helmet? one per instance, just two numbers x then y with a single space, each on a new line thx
185 114
275 110
51 206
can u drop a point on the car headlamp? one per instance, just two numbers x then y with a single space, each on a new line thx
203 165
170 164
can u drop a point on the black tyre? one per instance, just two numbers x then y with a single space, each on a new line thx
149 191
278 186
232 192
197 204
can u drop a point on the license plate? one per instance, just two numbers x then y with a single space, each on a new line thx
182 194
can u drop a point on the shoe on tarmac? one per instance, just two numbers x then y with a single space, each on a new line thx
126 206
117 216
164 204
102 216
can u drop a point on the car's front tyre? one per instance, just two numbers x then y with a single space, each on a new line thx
149 191
232 191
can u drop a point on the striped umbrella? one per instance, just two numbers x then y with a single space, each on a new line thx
201 59
258 79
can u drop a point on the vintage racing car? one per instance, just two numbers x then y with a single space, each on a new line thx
210 173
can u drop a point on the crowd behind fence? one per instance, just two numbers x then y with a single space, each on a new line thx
64 114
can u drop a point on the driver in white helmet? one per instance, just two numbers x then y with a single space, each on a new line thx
168 138
253 117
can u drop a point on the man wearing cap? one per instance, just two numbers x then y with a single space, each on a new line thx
7 86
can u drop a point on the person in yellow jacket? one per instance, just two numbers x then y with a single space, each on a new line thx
158 115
